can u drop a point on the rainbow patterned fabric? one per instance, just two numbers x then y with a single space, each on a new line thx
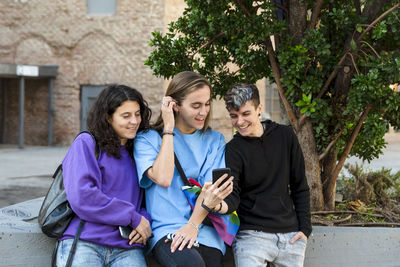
226 225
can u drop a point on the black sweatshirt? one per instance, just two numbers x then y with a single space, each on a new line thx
270 192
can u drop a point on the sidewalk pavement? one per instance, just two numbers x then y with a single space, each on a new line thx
26 173
390 158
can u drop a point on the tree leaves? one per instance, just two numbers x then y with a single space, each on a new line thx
225 42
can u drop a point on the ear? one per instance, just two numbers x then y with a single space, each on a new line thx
259 109
175 108
108 119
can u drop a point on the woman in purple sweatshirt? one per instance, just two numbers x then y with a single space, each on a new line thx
103 190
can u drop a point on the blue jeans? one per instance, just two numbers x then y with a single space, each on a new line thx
255 248
88 254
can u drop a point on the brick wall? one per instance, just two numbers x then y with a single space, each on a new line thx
89 50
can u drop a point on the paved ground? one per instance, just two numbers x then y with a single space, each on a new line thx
390 157
26 173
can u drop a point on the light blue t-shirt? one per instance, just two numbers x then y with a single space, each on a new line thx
199 153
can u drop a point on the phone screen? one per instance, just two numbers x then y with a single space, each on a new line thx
217 173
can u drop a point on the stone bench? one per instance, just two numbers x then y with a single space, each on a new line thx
23 244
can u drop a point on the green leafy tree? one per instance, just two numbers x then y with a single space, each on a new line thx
333 63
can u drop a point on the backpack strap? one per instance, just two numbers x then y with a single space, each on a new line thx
97 148
73 247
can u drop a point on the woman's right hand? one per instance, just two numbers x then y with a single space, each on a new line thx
214 193
167 113
141 233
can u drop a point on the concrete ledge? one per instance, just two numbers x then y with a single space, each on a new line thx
353 246
21 241
23 244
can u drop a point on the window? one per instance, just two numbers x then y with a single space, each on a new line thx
101 7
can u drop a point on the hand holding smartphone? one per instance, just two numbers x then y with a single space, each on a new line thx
217 173
125 231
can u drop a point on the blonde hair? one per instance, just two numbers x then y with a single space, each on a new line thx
180 86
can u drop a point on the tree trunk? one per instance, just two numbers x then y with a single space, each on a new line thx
328 167
311 159
297 20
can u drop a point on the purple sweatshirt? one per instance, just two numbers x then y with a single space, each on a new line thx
103 192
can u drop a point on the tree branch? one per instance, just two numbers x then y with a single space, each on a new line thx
242 7
208 43
363 52
315 13
330 183
325 212
357 6
376 21
277 76
331 222
325 87
318 222
370 46
331 144
332 76
349 145
342 60
354 63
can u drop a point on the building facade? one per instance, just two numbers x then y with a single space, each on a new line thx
94 43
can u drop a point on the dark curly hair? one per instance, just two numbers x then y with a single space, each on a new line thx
104 107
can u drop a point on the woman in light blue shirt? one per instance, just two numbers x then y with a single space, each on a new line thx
183 128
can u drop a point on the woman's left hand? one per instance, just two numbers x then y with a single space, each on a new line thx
185 236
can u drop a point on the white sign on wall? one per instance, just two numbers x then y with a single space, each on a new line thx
24 70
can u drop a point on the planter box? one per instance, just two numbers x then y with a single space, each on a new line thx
23 244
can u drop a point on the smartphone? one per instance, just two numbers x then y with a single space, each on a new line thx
217 173
125 231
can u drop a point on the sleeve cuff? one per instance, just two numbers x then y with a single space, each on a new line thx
231 206
307 231
136 218
146 215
